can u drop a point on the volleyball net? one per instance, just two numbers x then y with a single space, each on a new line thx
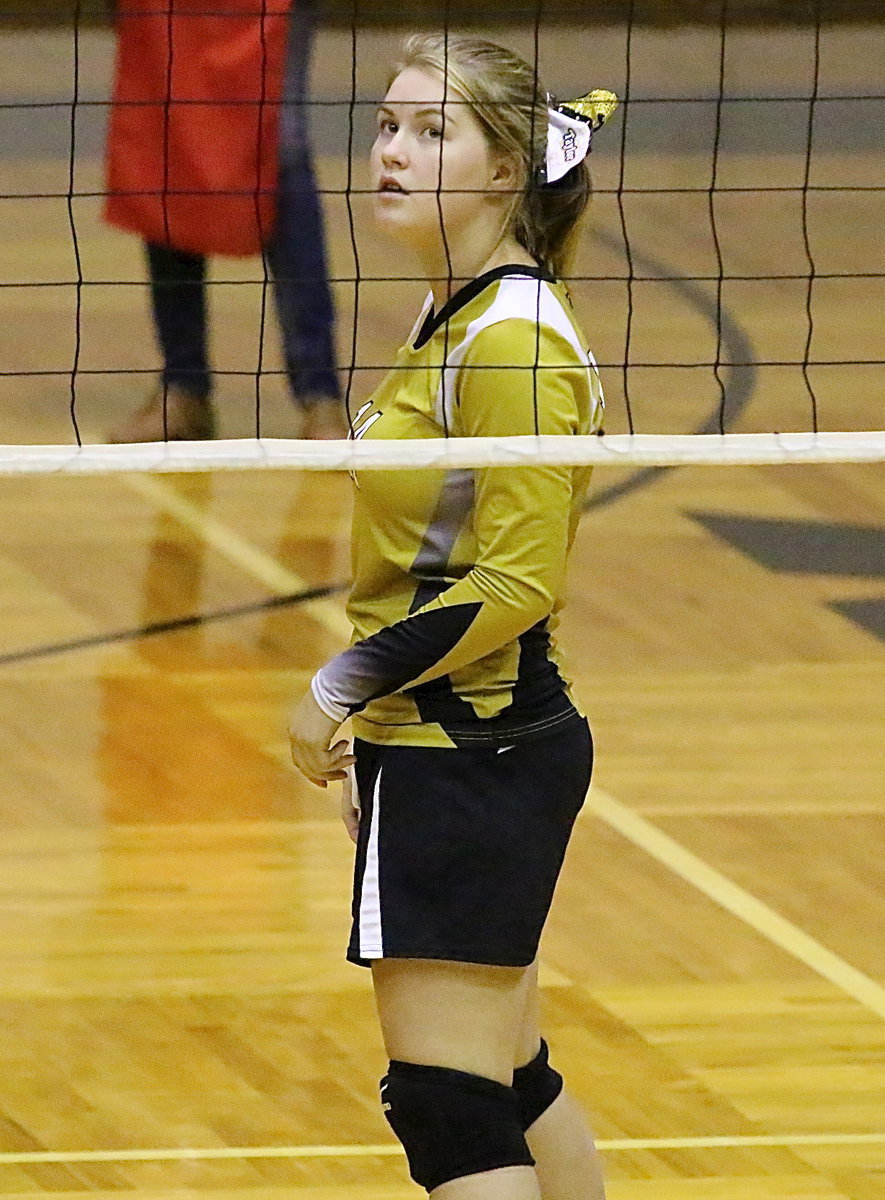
729 282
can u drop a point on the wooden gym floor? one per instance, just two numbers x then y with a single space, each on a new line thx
176 1018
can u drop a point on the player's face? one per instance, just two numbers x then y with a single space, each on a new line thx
432 167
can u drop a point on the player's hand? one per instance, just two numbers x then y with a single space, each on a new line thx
310 732
350 807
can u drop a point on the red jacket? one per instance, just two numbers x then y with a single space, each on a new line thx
192 140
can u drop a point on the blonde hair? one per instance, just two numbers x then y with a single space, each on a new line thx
510 105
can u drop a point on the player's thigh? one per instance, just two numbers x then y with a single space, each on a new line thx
528 1033
466 1016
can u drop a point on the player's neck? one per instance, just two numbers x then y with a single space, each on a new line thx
448 272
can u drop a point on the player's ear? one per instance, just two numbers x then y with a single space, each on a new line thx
505 173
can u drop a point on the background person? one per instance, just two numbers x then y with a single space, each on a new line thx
202 159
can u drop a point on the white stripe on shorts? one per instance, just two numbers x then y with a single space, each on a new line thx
371 942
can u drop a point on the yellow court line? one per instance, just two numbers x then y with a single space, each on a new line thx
241 553
389 1149
736 900
865 808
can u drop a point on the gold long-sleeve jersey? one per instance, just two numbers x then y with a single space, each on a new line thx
458 575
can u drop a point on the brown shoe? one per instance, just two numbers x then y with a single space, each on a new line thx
188 418
325 421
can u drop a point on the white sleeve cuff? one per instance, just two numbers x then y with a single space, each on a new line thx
337 712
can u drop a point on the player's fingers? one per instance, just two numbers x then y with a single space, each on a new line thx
352 824
316 762
329 769
349 794
311 766
350 812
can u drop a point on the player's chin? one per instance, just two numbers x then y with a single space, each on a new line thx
393 216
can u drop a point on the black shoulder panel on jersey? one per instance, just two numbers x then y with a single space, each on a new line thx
389 659
469 291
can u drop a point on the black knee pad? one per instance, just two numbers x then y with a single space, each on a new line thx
537 1085
452 1123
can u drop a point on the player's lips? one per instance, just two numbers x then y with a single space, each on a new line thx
390 185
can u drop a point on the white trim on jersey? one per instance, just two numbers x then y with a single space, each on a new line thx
518 296
333 710
416 328
371 936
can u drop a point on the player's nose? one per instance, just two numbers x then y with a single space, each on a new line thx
393 152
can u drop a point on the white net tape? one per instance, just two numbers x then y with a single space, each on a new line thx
620 450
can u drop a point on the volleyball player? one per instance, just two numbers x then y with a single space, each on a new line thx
471 756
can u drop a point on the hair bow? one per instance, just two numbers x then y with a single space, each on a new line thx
570 129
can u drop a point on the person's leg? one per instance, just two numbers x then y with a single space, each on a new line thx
180 408
566 1161
178 302
297 250
466 863
450 1031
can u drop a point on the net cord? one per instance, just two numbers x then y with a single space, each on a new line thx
450 283
72 224
351 221
711 205
259 187
447 453
848 189
621 191
530 182
806 234
164 199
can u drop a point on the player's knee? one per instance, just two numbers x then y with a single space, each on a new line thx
536 1085
452 1123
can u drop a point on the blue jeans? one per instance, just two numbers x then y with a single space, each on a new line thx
296 256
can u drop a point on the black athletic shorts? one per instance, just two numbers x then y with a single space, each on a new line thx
459 849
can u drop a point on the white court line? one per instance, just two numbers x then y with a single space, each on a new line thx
740 903
263 567
389 1149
